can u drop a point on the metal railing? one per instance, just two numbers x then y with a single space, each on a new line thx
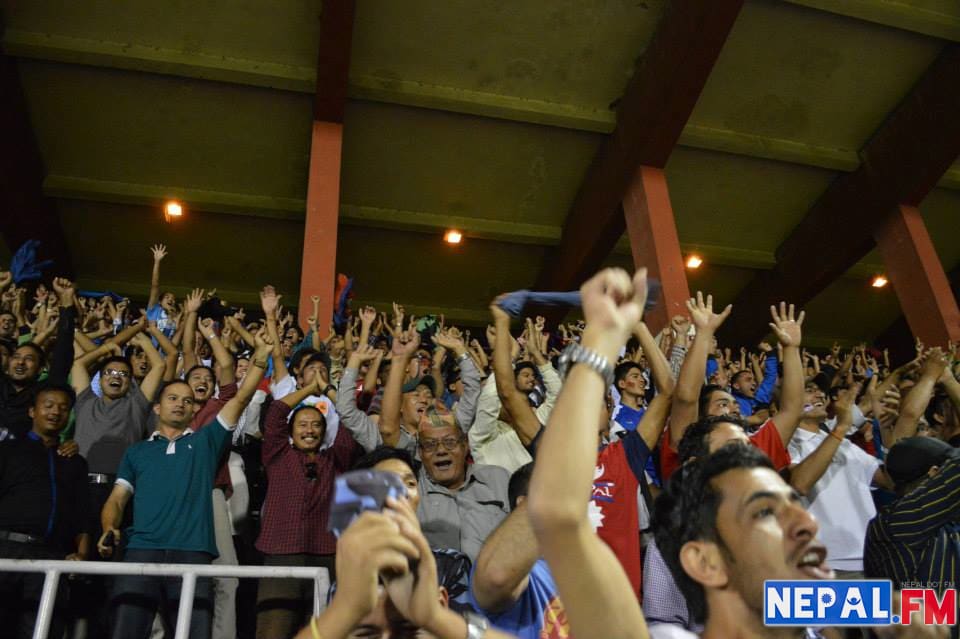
188 572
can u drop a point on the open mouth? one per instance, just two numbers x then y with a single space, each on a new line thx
20 370
443 464
201 389
813 563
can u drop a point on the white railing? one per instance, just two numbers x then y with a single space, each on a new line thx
188 572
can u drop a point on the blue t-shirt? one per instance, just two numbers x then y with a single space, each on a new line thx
537 614
165 325
628 417
172 482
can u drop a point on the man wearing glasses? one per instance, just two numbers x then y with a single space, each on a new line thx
461 504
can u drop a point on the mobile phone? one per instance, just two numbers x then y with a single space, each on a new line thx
361 490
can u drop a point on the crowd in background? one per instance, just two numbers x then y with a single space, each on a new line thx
592 479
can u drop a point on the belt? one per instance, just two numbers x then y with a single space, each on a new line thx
20 538
101 478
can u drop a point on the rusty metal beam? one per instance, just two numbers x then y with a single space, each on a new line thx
319 267
899 165
24 212
651 115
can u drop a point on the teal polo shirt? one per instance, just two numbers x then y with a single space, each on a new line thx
171 482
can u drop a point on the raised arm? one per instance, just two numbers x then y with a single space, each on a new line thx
593 587
687 396
62 357
523 418
192 306
269 302
788 330
158 366
503 566
159 252
653 420
404 346
451 341
365 432
171 354
80 371
912 407
225 361
231 411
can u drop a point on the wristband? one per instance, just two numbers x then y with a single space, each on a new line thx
833 433
463 357
476 625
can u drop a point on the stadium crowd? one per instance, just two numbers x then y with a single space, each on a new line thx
591 481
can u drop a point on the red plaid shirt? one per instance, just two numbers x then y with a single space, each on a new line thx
296 508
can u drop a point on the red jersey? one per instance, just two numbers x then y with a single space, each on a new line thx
613 511
766 438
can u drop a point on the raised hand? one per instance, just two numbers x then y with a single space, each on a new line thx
365 353
702 315
499 315
263 344
5 278
680 325
406 343
934 362
368 315
159 252
450 340
269 300
785 326
194 300
64 289
612 304
205 326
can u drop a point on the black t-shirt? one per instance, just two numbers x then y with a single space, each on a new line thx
43 494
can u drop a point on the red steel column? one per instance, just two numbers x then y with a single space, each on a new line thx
654 243
918 277
319 269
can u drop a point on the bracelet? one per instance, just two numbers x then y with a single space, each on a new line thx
464 356
314 631
833 433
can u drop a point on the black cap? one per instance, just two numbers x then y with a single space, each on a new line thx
426 380
911 458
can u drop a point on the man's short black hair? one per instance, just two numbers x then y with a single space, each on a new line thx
166 385
738 375
322 358
383 453
303 407
687 511
519 483
47 386
113 359
41 355
706 393
695 440
622 370
198 367
297 359
522 365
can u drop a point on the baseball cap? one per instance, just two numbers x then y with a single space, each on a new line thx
425 380
911 458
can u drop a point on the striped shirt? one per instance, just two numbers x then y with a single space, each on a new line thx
914 542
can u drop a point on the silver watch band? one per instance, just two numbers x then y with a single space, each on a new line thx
476 625
577 354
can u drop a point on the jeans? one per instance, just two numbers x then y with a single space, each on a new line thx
137 599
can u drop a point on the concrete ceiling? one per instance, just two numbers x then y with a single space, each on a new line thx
479 115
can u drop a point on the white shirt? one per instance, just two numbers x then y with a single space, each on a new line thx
840 500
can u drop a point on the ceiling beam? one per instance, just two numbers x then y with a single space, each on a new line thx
892 13
901 163
301 79
291 209
27 214
655 106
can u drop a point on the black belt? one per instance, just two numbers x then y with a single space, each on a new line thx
20 538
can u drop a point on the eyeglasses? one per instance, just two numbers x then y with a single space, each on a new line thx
449 443
310 471
114 372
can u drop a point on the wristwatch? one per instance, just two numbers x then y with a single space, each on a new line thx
476 625
576 354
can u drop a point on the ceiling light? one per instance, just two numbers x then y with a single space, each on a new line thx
453 236
172 210
694 261
879 281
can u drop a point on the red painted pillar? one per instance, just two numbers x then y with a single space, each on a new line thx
918 277
319 269
654 243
